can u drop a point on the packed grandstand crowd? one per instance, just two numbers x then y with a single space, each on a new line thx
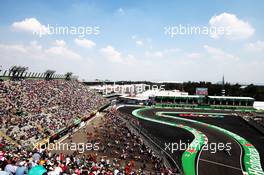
34 109
124 147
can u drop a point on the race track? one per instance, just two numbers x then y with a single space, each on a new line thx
207 162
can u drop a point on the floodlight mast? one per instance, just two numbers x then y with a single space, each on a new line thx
49 74
68 76
16 72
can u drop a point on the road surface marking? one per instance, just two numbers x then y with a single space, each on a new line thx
220 164
197 165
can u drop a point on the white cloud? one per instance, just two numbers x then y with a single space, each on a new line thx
30 25
172 50
84 43
60 50
137 40
155 54
121 11
193 55
130 59
139 43
21 52
12 48
161 53
219 54
236 28
258 46
133 37
35 50
111 54
60 43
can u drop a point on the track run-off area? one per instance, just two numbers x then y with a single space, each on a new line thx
244 158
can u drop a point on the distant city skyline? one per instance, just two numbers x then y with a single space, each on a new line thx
136 40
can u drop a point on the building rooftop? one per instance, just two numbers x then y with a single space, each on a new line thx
231 97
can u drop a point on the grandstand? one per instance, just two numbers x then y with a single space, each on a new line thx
34 109
42 108
20 72
39 109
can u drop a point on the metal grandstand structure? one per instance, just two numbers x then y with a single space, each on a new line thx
21 72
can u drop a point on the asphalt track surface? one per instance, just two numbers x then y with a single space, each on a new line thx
208 162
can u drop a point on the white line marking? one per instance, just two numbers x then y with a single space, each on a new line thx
220 164
241 152
198 159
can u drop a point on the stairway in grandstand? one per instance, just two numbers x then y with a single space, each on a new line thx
1 133
9 139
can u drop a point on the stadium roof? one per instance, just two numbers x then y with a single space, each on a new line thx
259 105
231 97
183 96
141 98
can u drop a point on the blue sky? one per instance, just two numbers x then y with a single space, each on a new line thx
132 43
